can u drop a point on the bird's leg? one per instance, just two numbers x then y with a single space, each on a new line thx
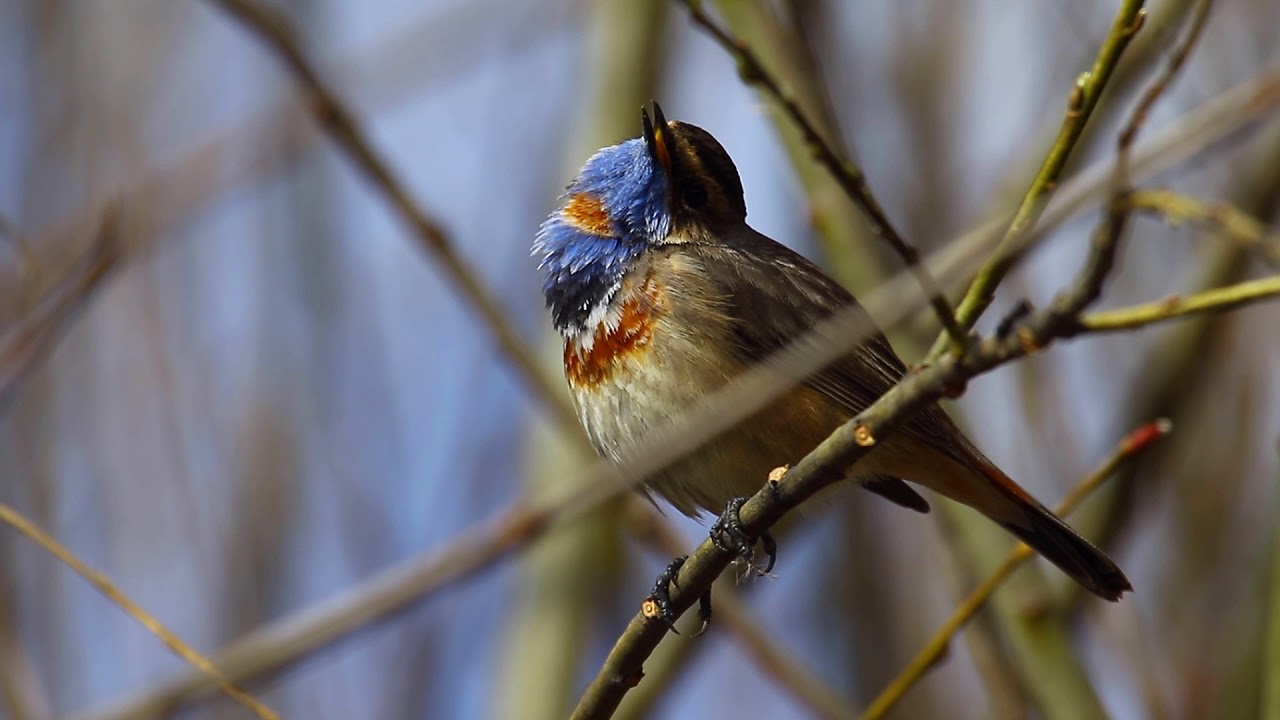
728 535
661 595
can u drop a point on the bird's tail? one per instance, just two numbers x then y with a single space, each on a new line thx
1048 535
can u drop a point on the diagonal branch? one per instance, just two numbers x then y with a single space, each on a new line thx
337 120
14 519
850 177
934 650
31 339
774 661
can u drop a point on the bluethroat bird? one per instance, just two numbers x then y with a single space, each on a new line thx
663 293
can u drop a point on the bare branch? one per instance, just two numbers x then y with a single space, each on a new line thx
333 116
14 519
25 344
850 177
773 661
1210 301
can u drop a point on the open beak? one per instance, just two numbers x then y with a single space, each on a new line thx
656 133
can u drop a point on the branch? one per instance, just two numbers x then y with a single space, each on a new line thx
1269 703
275 646
30 340
773 661
934 650
825 465
850 177
333 116
1209 301
1080 106
1233 223
13 518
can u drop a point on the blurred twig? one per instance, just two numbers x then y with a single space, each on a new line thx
772 660
332 114
934 651
22 694
1269 708
1230 221
1080 105
847 173
32 338
557 606
14 519
843 233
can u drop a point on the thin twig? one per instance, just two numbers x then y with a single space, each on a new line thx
850 177
1083 99
339 122
14 519
1269 703
934 650
1209 301
1106 240
23 345
775 662
1229 221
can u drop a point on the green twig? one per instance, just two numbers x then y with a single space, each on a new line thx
1209 301
1080 105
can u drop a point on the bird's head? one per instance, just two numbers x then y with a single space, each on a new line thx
674 184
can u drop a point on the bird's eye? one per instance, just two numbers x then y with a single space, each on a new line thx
695 196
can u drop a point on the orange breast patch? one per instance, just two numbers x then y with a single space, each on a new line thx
586 213
587 368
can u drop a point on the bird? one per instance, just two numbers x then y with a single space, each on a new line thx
663 293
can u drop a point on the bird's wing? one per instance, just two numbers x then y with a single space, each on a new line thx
775 295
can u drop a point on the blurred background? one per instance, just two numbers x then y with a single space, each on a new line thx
276 394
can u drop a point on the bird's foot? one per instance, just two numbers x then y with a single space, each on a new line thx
661 598
728 534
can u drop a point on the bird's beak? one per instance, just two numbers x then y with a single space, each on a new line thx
656 134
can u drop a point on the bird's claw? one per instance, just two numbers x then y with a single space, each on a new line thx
661 596
728 534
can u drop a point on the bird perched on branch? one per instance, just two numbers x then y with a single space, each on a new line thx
663 293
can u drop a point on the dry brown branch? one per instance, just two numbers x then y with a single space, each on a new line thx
339 122
14 519
25 344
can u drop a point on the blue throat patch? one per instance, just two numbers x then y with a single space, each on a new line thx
614 211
